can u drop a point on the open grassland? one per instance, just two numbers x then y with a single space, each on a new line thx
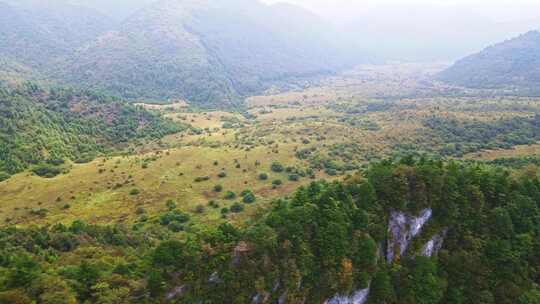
121 189
325 131
517 151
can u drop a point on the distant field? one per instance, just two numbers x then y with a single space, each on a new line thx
517 151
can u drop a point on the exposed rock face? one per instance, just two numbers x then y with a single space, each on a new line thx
214 278
358 297
402 228
433 245
283 298
175 293
240 251
264 297
260 298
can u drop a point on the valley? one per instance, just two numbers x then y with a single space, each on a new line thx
269 152
328 129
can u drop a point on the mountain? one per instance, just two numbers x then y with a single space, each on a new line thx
209 52
34 32
512 64
117 9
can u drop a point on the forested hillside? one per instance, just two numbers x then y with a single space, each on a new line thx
208 52
211 53
406 232
46 126
34 32
513 64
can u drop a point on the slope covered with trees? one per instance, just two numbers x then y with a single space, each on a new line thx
210 52
35 32
513 64
47 125
326 239
207 52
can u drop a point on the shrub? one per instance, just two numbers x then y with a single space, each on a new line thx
134 191
218 188
331 171
276 167
277 182
199 209
263 176
230 195
224 210
4 176
46 170
222 174
56 161
201 179
174 216
249 198
227 125
175 227
237 208
83 159
294 177
39 212
213 204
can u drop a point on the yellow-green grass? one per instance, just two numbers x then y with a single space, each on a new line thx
517 151
175 105
204 120
105 197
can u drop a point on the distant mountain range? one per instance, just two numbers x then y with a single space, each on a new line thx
513 64
35 34
209 52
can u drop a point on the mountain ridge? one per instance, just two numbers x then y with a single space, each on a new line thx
512 64
33 35
207 52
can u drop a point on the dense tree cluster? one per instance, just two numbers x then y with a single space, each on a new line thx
464 136
325 239
40 126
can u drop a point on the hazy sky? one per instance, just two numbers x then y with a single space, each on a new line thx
427 29
498 10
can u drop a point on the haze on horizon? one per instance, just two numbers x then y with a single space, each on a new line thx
427 30
496 10
398 30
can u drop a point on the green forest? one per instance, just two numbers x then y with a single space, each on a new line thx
464 136
45 126
327 238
